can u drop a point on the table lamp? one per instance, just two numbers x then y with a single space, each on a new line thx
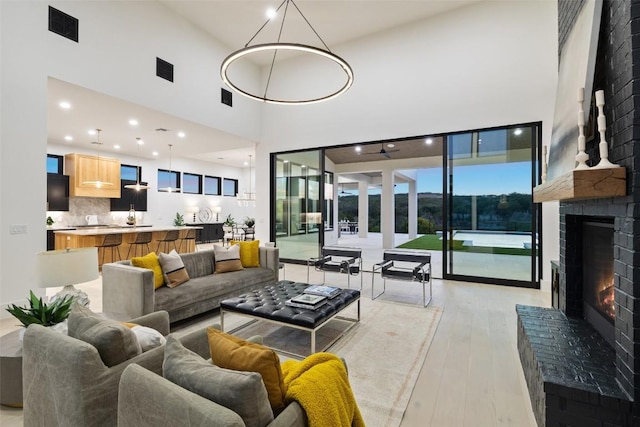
217 210
194 210
67 267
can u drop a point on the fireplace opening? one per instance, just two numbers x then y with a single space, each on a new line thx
597 274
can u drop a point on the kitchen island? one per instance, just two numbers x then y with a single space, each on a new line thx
88 237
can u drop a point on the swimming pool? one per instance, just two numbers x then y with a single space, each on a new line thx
494 239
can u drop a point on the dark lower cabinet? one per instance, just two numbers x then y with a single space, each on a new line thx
210 232
51 240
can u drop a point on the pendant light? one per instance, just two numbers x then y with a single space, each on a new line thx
248 198
138 186
322 52
97 182
169 189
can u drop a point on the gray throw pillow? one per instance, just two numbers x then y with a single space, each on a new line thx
242 392
114 341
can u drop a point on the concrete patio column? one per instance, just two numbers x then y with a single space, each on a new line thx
363 208
412 206
474 212
387 210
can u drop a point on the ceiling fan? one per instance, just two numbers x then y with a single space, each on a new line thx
383 152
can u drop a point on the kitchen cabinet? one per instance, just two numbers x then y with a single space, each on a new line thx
130 197
82 168
210 232
57 192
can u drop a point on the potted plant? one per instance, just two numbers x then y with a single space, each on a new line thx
41 313
49 221
249 222
229 222
178 221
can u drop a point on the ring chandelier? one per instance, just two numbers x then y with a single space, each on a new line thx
248 50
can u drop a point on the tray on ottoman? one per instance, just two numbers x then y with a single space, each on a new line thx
269 303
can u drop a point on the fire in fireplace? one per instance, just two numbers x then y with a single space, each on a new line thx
597 274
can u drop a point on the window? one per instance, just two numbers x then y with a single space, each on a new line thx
54 164
130 173
192 183
459 146
229 187
328 201
168 181
492 142
212 185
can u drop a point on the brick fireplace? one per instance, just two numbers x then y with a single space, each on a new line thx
578 374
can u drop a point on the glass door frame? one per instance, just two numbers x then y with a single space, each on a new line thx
536 215
273 157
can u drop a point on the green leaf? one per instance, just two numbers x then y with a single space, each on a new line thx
40 313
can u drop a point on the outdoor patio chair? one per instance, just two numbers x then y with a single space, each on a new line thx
404 264
338 259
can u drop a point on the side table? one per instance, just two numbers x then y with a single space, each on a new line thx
11 370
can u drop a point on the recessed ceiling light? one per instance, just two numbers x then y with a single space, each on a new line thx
246 163
92 132
286 161
358 149
117 147
155 153
391 145
140 141
181 134
65 105
133 122
429 141
518 131
303 166
271 13
68 138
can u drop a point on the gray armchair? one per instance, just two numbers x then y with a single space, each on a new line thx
66 383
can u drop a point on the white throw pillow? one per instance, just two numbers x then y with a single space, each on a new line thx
148 338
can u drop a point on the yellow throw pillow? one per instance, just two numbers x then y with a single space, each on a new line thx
249 253
151 262
235 353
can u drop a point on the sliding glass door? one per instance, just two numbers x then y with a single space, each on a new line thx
297 211
491 221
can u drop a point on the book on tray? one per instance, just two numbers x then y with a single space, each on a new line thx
325 291
307 301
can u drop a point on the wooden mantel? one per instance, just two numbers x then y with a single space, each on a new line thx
582 185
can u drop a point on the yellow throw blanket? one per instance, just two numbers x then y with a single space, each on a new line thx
320 385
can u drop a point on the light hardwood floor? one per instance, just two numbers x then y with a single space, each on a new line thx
472 374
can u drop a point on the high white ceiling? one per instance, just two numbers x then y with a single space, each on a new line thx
233 22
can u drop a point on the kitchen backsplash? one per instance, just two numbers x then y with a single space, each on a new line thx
80 207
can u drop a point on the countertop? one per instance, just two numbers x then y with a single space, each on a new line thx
95 231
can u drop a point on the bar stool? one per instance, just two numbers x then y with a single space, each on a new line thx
141 238
191 235
170 236
112 241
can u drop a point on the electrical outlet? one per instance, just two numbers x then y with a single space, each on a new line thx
17 229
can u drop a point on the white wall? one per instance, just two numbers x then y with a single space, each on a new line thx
119 42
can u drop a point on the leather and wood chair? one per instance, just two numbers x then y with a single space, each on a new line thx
338 259
170 236
404 264
140 239
112 241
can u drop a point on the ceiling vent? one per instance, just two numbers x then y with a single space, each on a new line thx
226 97
63 24
164 69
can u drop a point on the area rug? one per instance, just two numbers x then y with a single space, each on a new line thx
384 352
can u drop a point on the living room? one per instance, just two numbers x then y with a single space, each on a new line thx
480 65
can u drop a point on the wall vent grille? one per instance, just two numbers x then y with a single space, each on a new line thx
63 24
164 69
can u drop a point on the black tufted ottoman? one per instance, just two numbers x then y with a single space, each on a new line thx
269 303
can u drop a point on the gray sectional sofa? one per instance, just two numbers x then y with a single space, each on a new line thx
128 291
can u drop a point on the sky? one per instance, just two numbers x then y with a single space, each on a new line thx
500 178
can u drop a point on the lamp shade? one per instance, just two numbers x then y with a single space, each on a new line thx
217 209
66 267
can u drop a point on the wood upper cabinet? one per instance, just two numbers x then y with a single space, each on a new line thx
83 169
